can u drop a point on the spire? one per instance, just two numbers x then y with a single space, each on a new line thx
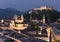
43 19
22 17
15 17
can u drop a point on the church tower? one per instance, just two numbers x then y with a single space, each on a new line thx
43 19
22 17
19 19
15 17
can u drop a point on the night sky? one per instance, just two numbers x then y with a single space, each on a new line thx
23 5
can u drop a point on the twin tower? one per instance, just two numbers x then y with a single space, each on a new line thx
19 19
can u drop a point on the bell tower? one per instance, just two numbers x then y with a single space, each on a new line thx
43 20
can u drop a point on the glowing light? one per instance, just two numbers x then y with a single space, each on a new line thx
39 33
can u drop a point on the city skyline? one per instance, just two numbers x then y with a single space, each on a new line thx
23 5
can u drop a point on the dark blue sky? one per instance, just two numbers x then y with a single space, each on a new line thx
24 5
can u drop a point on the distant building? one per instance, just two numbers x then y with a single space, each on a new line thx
20 19
12 24
58 21
56 31
2 20
16 23
15 17
43 8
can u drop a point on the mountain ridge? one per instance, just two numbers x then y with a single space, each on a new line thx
8 13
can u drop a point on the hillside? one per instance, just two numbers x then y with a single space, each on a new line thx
8 13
